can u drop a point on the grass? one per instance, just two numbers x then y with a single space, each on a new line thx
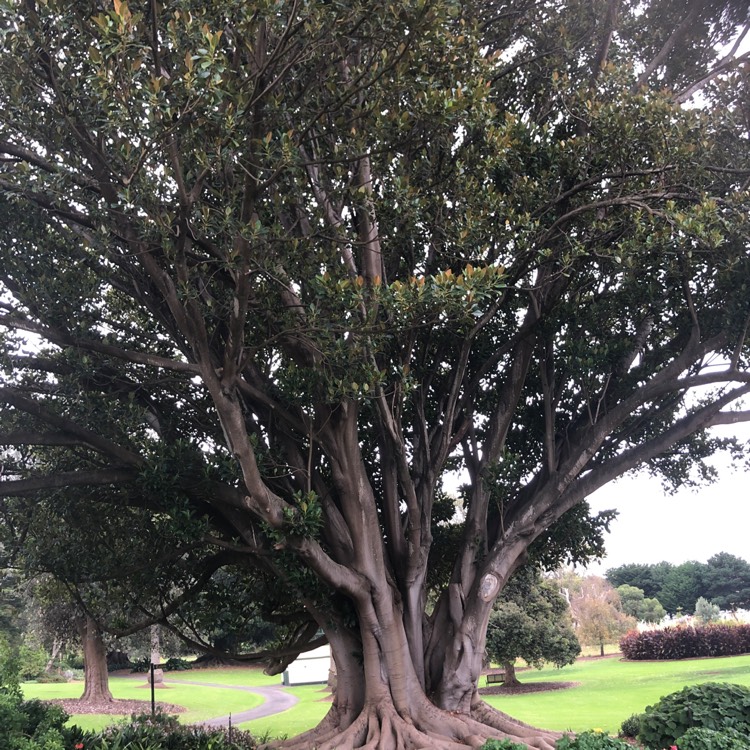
202 702
312 707
611 690
245 676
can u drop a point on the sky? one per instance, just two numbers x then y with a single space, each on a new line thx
693 524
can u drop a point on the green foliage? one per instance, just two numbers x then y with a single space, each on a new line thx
647 578
288 265
631 726
705 611
724 580
700 738
10 667
530 620
635 604
31 725
727 581
711 705
175 664
164 732
591 740
53 678
32 661
502 745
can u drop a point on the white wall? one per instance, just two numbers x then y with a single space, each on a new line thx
309 668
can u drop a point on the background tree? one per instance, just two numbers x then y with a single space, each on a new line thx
531 621
320 255
635 604
705 611
597 612
648 578
726 581
682 585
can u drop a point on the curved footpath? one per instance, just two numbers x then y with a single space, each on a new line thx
276 701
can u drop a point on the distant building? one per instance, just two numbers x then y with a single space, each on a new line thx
310 668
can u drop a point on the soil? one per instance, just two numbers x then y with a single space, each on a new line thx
77 706
530 687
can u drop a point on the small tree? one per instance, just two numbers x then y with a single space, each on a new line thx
727 581
531 621
597 613
636 604
705 611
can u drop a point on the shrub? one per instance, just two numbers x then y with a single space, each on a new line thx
176 665
631 726
683 642
142 665
591 741
712 705
117 666
502 745
74 661
30 725
31 662
164 732
700 738
53 677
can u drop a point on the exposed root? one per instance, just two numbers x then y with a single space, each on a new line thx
381 727
543 739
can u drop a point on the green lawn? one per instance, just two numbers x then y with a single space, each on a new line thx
610 690
313 706
202 703
245 676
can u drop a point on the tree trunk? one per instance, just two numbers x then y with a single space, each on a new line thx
95 674
56 646
155 645
510 679
380 702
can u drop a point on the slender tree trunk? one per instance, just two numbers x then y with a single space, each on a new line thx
56 646
510 679
95 674
155 645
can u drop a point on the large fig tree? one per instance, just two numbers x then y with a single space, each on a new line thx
275 268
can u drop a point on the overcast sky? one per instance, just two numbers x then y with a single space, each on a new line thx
692 524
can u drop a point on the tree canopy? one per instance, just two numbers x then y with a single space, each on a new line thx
724 580
636 604
270 271
531 621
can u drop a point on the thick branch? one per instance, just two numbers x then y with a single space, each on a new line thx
669 45
12 397
18 487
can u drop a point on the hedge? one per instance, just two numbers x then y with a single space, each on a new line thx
686 641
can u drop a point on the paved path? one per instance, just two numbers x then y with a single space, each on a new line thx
276 701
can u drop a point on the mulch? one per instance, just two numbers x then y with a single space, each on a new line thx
530 687
77 706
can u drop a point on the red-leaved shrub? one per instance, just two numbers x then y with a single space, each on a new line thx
686 641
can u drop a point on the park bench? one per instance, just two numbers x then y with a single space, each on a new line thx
494 678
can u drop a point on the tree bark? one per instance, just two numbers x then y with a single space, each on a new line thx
510 679
155 645
380 701
95 674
